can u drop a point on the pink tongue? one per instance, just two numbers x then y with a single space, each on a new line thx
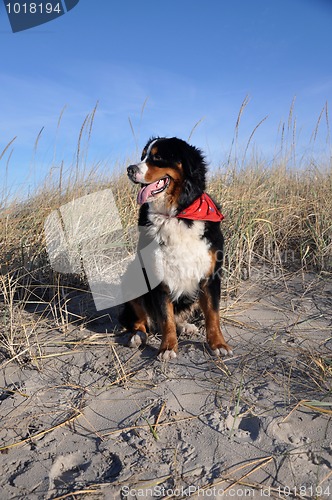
146 191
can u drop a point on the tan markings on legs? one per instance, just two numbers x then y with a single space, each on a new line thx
142 319
214 335
139 336
169 340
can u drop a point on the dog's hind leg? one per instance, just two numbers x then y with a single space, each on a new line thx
135 319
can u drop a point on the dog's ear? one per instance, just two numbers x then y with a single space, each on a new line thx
194 170
194 165
192 160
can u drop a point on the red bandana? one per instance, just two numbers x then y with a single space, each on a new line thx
203 208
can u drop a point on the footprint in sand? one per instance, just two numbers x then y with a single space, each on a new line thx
285 432
246 427
72 470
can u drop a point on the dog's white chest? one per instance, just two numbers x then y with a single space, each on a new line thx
182 259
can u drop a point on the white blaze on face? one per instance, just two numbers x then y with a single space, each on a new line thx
149 150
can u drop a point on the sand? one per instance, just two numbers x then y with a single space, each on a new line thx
90 418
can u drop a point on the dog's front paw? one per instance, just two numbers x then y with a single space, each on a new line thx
137 339
167 355
222 350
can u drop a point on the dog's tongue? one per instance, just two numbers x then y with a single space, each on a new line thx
148 190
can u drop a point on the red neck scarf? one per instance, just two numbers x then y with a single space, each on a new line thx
203 208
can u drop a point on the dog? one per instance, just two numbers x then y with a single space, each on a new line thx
185 263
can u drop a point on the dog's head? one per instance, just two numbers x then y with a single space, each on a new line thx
171 173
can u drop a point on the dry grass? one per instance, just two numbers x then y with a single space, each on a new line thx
275 215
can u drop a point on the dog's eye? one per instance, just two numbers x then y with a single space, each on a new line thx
156 157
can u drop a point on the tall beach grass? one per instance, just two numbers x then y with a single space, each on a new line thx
278 216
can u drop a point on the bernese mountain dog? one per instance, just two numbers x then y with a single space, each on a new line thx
184 265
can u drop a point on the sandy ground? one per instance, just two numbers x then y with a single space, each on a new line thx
104 421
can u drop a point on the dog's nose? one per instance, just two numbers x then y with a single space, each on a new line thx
132 171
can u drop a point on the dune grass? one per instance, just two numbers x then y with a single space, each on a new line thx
275 216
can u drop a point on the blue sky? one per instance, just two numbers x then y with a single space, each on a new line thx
189 60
